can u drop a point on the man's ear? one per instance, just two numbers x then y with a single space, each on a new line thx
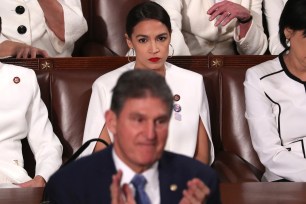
111 121
128 41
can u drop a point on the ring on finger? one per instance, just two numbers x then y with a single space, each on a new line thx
228 14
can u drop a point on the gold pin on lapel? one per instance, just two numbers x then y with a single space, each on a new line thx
173 187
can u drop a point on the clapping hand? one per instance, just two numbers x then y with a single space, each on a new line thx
196 192
121 195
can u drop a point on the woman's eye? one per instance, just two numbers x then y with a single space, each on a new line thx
162 38
142 40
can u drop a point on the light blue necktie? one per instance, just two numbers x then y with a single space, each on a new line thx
139 182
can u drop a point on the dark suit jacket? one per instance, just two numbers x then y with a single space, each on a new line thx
88 179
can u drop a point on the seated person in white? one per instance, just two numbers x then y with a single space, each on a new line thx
272 11
24 115
202 27
275 96
148 33
40 28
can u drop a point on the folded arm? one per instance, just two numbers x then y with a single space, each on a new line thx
54 15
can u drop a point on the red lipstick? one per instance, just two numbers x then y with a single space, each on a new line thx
154 59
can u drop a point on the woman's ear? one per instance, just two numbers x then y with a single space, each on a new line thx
128 41
288 33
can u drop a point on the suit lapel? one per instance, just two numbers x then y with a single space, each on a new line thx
171 187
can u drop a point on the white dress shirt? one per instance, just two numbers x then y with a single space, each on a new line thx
151 175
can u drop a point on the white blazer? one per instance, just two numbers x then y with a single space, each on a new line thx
38 34
183 129
276 114
24 115
194 34
272 11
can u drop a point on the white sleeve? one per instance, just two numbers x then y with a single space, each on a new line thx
255 42
44 144
174 9
272 11
205 118
264 133
75 25
95 119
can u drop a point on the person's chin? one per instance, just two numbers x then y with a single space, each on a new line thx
148 161
156 66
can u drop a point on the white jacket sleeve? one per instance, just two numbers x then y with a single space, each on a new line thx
255 42
264 133
44 144
272 11
205 118
75 25
174 9
95 119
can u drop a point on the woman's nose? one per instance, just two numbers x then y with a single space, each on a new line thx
154 47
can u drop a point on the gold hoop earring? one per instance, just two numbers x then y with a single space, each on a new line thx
133 54
172 51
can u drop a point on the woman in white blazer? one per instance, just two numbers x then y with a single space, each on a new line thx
44 28
202 27
148 34
275 93
272 11
24 115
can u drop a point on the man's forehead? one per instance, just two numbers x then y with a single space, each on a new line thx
144 98
144 104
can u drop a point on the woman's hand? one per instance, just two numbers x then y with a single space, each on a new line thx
37 181
20 50
227 11
27 51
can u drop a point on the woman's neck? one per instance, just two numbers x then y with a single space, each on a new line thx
161 70
295 67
